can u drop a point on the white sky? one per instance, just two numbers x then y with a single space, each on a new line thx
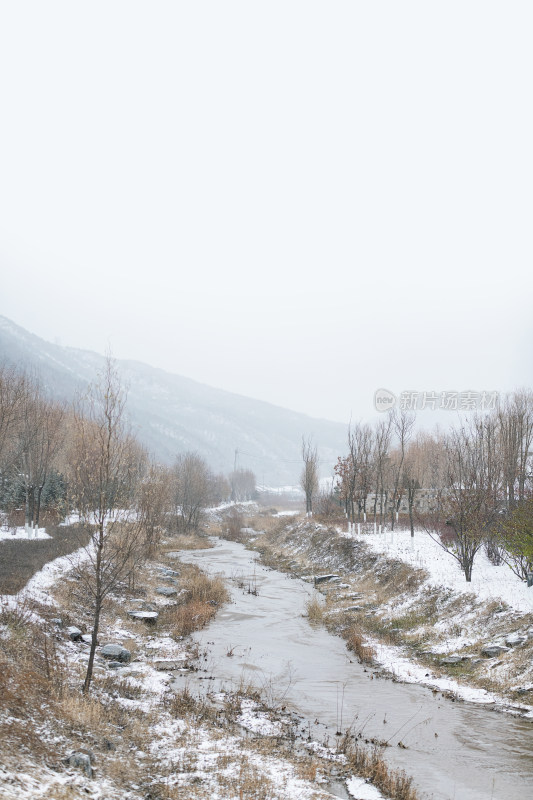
296 201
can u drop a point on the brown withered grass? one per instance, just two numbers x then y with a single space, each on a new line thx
356 643
204 596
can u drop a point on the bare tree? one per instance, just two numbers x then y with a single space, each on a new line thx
402 424
12 391
47 444
354 471
106 464
366 466
243 484
382 439
414 474
153 504
191 487
309 476
471 498
515 427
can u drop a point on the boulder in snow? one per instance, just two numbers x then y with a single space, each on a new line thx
150 617
166 591
167 664
451 660
514 640
326 579
82 759
116 652
74 633
493 650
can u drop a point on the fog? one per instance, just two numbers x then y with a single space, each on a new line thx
301 202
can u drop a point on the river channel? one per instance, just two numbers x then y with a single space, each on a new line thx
454 750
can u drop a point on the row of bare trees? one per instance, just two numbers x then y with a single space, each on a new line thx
122 497
469 487
47 449
32 432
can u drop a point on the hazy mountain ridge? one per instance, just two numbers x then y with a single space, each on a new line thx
171 414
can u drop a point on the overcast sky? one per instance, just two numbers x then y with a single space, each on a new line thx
296 201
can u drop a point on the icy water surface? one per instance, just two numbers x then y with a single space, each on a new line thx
455 751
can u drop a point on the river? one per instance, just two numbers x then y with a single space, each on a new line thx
454 750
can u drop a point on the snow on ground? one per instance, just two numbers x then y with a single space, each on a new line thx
38 586
488 581
361 790
230 504
256 721
71 519
391 658
20 533
191 753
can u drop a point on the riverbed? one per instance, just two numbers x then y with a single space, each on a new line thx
453 750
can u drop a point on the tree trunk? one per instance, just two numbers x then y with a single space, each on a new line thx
94 639
98 599
411 521
38 506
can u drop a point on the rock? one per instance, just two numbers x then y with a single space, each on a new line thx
82 759
354 608
114 665
514 640
451 660
326 579
168 572
74 633
57 621
164 665
493 650
116 652
529 633
150 617
166 591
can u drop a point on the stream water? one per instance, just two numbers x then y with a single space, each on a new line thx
454 750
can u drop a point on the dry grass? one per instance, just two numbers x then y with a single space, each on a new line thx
31 678
205 594
356 643
185 541
269 524
185 619
203 588
371 765
315 609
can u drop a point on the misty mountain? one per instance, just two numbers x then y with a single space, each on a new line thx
171 414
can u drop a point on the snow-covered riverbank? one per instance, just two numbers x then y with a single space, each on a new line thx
141 732
424 623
